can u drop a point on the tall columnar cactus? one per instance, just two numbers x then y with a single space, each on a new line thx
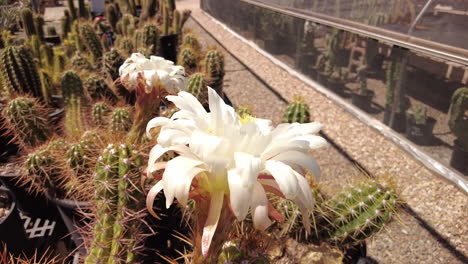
149 38
458 122
112 15
196 85
98 89
59 65
19 71
297 111
82 12
121 120
46 86
72 10
35 48
116 231
65 25
89 37
112 62
26 120
73 95
188 59
148 9
39 26
214 70
28 22
125 44
361 212
176 23
47 56
100 114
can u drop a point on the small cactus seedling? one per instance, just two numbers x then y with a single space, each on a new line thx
98 89
214 70
91 40
121 120
361 212
297 112
188 59
26 120
100 113
458 122
196 85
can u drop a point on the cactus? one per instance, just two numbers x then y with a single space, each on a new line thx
47 56
418 113
188 59
73 95
19 71
82 12
149 38
112 16
100 113
117 197
214 70
39 26
46 87
72 10
28 22
297 111
59 65
244 111
35 48
166 20
458 122
196 85
121 120
191 41
176 23
91 41
65 25
26 120
125 44
79 62
98 89
361 212
42 172
112 63
148 9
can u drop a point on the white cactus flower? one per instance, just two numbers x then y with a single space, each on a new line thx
232 159
139 70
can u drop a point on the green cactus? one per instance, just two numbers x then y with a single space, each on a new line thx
190 40
59 65
42 172
125 44
65 25
28 22
26 120
35 48
73 95
232 253
39 26
47 56
149 8
117 197
46 87
112 63
166 21
82 12
149 38
72 10
89 37
458 122
418 113
98 89
188 59
112 16
244 111
297 111
79 62
79 157
360 212
214 70
176 23
100 114
121 120
196 85
19 71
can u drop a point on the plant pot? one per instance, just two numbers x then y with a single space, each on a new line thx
420 134
354 254
336 85
362 101
168 47
322 79
399 122
459 159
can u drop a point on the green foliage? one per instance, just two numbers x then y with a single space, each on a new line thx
214 70
28 22
121 121
19 71
26 120
418 113
297 111
98 89
100 113
196 85
458 122
92 43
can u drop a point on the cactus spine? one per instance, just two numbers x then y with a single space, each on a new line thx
120 120
19 71
188 59
458 122
73 95
297 111
149 38
98 89
28 22
115 235
26 120
196 85
91 41
72 10
43 171
214 70
100 112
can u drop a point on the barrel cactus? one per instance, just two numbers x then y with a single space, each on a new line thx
297 111
458 122
214 70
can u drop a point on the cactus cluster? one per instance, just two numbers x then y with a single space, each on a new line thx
115 236
214 70
297 111
458 122
148 38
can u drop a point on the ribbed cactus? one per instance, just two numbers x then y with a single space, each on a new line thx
98 89
78 157
89 37
112 15
148 9
28 22
65 25
47 56
361 212
42 171
190 40
176 23
196 85
79 62
297 111
39 26
59 65
458 122
26 120
214 70
35 48
188 59
112 62
46 86
73 95
121 120
115 235
149 38
19 71
100 114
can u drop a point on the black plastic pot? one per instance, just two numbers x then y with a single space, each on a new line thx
399 122
362 101
335 85
168 47
459 159
322 79
420 134
53 39
353 254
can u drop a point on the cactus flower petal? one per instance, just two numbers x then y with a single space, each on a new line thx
216 204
